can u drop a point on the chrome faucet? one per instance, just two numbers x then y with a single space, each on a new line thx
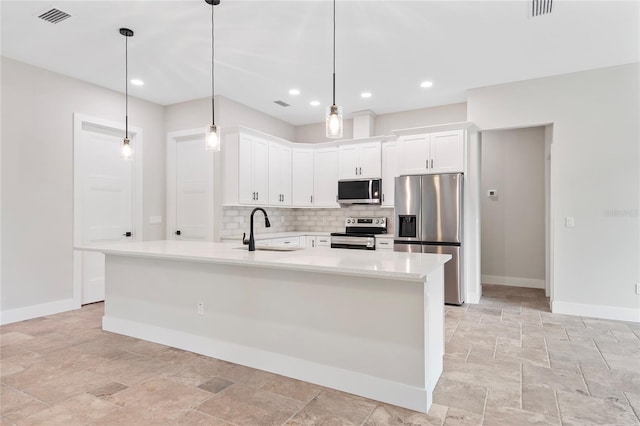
251 241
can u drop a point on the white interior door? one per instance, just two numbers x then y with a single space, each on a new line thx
194 190
105 182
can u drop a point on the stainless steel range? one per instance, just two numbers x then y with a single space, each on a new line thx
360 233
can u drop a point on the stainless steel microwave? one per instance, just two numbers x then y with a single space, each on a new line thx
361 191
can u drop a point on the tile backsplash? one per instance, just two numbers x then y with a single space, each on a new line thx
235 220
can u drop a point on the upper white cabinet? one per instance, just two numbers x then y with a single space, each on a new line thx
253 170
390 171
302 177
325 177
438 152
360 160
279 174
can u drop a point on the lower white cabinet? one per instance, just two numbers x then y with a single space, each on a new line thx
313 241
383 243
286 242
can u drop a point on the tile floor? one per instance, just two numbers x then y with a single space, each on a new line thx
508 361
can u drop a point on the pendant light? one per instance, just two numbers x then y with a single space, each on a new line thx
334 112
126 151
212 141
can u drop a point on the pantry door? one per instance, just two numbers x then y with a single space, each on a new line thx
189 187
104 198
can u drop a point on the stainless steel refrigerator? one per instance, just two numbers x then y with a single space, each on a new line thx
428 219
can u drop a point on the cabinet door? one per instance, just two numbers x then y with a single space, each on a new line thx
414 155
325 179
279 175
447 151
246 193
261 171
348 159
369 160
389 172
285 175
275 192
302 177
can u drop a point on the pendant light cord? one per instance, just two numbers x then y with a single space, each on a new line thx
126 87
213 118
334 52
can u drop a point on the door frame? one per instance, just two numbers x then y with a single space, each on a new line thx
172 146
135 134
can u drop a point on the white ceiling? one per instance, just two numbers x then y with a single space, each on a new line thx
264 48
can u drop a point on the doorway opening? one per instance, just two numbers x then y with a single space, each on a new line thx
515 207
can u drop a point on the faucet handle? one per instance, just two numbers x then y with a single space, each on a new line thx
244 240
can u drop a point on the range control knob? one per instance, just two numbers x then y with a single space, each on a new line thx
348 220
377 220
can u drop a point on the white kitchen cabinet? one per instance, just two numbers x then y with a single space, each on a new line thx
383 243
360 160
325 177
279 174
302 177
390 171
314 241
286 242
253 170
438 152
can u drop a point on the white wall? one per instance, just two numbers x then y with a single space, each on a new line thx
385 123
37 176
513 222
595 178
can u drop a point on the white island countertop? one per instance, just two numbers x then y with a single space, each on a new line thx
364 263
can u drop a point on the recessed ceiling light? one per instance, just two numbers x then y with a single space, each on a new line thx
137 82
365 94
314 103
426 84
294 92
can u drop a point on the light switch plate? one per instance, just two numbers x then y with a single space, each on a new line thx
569 222
155 220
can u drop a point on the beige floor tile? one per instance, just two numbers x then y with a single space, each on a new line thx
107 390
292 388
334 407
7 368
79 410
130 369
623 380
196 418
577 409
387 415
215 385
13 338
584 353
160 395
33 327
539 399
504 397
15 405
553 379
247 376
245 405
64 386
462 395
481 375
537 357
634 402
196 370
459 417
507 416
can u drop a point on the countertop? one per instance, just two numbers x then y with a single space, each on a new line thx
366 263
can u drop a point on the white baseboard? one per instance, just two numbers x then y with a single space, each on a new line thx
380 389
513 281
596 311
35 311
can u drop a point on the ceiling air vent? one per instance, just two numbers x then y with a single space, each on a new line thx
54 16
541 7
281 103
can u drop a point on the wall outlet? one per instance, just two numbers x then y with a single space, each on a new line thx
200 308
492 193
155 220
569 222
638 288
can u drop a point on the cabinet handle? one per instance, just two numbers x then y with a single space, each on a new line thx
383 198
312 198
426 164
356 170
253 197
283 198
432 163
313 243
257 196
360 170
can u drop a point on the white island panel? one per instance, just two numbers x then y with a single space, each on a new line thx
363 326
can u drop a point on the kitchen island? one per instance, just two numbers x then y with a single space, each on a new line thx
366 322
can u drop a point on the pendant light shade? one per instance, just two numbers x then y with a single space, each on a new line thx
334 112
126 150
212 141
